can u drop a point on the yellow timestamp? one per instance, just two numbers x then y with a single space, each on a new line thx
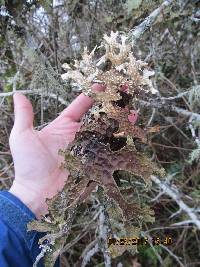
134 241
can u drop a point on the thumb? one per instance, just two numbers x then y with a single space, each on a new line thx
23 112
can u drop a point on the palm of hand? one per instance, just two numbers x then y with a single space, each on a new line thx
35 153
36 159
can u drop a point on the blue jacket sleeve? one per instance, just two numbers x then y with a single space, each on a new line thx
18 248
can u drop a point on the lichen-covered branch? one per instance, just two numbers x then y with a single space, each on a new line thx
175 195
136 33
161 104
186 113
34 92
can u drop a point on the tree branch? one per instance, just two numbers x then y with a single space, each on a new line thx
148 22
181 111
29 92
186 113
174 194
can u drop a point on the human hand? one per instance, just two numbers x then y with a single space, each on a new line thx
35 153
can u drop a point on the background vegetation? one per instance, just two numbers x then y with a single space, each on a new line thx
37 37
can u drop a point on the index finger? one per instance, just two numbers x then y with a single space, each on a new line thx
80 105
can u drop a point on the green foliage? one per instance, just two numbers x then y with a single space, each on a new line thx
148 254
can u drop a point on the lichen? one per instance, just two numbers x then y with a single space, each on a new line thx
105 143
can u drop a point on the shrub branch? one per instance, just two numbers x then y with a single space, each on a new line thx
175 195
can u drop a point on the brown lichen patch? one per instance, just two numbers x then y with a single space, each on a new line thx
125 126
94 161
105 142
103 126
112 120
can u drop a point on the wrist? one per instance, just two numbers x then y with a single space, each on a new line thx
35 201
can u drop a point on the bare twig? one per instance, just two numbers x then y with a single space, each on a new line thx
173 255
152 117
